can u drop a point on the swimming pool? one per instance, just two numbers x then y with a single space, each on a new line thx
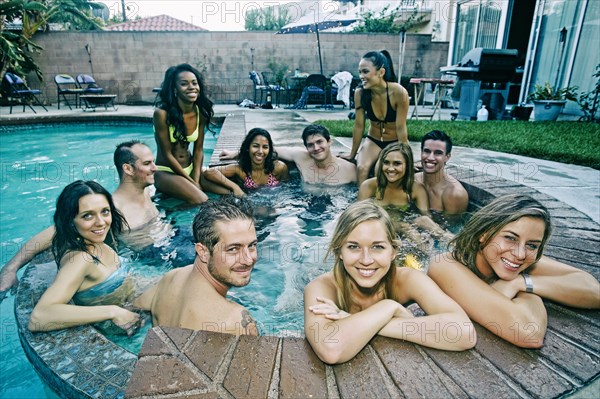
293 226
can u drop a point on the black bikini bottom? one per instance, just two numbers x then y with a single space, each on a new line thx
381 144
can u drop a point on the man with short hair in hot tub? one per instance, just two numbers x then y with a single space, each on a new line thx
135 166
316 163
444 191
194 296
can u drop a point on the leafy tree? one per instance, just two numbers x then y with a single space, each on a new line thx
17 48
267 19
380 22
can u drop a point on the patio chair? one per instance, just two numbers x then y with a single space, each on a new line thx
67 86
89 85
18 89
259 86
316 87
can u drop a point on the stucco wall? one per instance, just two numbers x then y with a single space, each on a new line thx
130 64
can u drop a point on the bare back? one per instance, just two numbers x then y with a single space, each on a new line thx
185 299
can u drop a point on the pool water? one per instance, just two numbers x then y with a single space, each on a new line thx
37 162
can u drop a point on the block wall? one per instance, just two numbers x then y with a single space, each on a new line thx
131 64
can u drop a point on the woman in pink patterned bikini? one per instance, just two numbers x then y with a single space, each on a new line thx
257 166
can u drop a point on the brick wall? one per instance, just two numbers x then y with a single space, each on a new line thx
130 64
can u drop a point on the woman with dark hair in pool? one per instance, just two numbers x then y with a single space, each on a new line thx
385 103
497 272
257 165
89 271
183 113
364 294
394 187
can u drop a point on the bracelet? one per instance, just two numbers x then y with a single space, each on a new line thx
528 283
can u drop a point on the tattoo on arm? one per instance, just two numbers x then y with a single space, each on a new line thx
247 320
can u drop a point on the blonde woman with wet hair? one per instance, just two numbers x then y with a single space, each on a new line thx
366 292
497 272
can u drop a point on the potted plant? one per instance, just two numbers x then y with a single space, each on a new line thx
549 102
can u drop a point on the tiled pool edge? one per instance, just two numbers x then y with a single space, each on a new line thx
77 362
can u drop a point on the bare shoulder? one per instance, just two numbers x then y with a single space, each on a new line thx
344 164
324 282
455 197
160 114
367 189
419 177
397 90
241 320
442 266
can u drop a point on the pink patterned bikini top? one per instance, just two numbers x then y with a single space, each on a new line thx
271 181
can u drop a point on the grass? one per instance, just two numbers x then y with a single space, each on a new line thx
567 142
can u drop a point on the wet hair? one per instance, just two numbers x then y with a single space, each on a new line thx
489 220
354 215
225 209
124 155
409 171
66 237
380 59
244 157
312 130
437 135
168 100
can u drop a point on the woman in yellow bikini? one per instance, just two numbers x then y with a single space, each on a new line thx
180 119
385 103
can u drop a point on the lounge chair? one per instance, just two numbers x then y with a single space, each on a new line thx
19 90
67 86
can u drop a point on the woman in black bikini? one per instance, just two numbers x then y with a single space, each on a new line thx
381 99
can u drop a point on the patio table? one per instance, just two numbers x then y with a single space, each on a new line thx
441 86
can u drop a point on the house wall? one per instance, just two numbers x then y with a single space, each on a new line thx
131 64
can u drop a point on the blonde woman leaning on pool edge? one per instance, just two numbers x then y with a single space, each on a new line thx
183 113
385 103
497 273
363 295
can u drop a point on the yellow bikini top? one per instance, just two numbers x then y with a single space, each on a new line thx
191 138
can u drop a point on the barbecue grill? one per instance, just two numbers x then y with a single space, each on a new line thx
484 78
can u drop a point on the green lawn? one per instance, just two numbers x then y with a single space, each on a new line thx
568 142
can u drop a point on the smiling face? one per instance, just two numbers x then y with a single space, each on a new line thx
369 74
513 249
367 253
233 257
94 218
433 156
144 168
318 147
259 150
394 166
187 87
